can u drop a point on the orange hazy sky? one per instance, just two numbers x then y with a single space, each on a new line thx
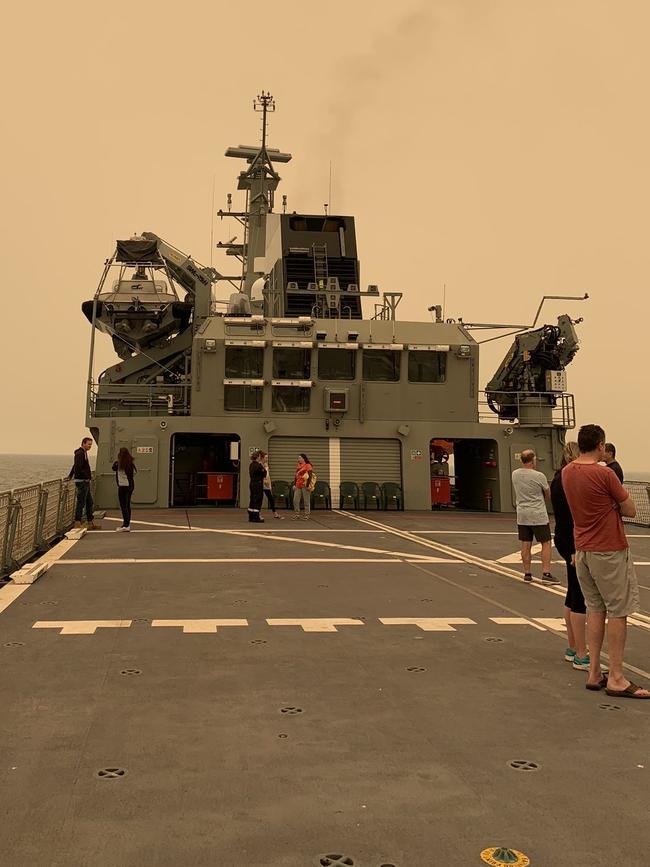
499 147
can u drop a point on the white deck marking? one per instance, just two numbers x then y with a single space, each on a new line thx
428 624
81 627
516 621
105 561
255 535
515 557
9 593
205 625
556 623
316 624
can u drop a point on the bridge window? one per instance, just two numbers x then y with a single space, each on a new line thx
427 366
290 399
291 363
381 365
242 398
244 362
337 364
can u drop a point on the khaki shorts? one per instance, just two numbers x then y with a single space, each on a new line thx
608 581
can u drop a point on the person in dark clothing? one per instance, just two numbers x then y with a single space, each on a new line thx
82 475
575 611
124 470
612 463
257 476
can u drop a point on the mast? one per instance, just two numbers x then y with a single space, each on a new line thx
260 181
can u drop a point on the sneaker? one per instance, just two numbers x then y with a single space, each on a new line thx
305 517
528 576
93 526
296 517
120 529
547 578
581 664
569 654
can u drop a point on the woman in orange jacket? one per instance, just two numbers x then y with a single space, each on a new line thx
300 490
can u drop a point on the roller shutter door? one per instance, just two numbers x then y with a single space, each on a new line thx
284 451
371 460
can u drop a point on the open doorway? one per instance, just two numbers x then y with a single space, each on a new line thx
464 474
204 470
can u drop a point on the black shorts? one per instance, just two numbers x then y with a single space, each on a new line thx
541 532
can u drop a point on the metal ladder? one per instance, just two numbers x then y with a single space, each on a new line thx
319 252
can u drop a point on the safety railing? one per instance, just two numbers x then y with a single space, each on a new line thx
32 518
640 493
138 399
529 409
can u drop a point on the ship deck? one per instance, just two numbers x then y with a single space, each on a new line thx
232 739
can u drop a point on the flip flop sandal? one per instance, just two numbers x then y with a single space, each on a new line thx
596 687
628 692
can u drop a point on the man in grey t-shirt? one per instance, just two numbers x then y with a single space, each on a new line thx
531 491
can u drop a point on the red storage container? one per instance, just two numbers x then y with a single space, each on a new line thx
221 486
440 492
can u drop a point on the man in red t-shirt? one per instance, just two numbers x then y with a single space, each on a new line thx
605 569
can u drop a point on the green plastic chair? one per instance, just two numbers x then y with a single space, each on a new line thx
392 496
349 491
371 493
282 492
321 495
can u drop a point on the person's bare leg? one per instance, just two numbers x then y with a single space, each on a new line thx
525 556
595 636
616 634
546 557
569 628
579 630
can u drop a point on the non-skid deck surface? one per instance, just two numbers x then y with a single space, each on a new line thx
282 692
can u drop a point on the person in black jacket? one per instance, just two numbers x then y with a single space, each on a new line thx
257 475
82 475
612 463
124 470
575 611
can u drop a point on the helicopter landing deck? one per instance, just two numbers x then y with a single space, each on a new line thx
361 689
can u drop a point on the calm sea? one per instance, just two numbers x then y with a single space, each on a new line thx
17 471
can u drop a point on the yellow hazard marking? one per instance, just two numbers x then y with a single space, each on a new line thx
487 855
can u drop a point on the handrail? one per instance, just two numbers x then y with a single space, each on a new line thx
32 518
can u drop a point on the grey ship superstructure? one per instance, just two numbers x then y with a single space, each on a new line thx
292 362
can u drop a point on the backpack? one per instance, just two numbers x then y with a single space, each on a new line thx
311 481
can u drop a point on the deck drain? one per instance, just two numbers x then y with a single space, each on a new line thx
493 638
415 668
283 736
291 711
323 586
335 860
130 672
141 620
259 641
426 600
14 644
523 765
610 707
48 602
110 773
240 602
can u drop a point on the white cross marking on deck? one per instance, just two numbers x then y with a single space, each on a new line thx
81 627
205 625
516 621
556 623
316 624
428 624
